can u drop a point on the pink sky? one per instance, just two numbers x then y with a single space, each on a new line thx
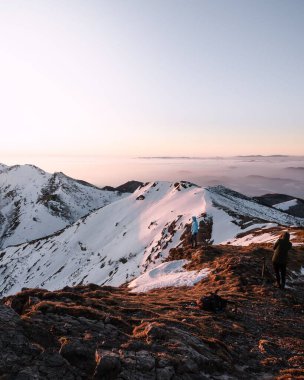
138 78
251 175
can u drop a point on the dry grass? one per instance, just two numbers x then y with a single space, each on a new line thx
261 329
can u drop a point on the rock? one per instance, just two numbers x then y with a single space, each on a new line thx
27 374
79 354
188 365
165 373
145 361
108 365
156 332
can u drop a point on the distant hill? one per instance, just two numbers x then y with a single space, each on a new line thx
128 187
291 205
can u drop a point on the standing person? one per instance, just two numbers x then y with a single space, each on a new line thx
194 231
279 258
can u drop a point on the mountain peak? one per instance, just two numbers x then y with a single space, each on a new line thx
35 203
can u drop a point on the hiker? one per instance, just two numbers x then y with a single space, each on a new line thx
194 231
279 258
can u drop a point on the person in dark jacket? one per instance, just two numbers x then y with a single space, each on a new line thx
279 258
194 232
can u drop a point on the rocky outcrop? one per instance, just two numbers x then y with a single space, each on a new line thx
100 333
93 332
128 187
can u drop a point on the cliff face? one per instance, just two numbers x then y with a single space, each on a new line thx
93 332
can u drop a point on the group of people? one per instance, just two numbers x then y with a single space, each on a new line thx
279 257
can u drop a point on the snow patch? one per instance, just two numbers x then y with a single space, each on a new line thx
170 273
254 239
285 206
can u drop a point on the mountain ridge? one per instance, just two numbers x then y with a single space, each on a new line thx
35 203
124 239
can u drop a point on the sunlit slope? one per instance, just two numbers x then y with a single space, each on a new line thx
121 241
34 203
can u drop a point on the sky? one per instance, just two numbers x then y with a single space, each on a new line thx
133 78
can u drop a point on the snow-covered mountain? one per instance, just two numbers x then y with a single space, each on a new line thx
34 203
291 205
119 242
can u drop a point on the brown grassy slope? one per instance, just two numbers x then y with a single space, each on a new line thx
108 333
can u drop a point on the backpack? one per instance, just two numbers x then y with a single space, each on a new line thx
213 302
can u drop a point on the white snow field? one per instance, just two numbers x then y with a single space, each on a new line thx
34 203
121 241
170 273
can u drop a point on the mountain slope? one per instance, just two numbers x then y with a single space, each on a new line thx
287 203
92 332
34 203
117 243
